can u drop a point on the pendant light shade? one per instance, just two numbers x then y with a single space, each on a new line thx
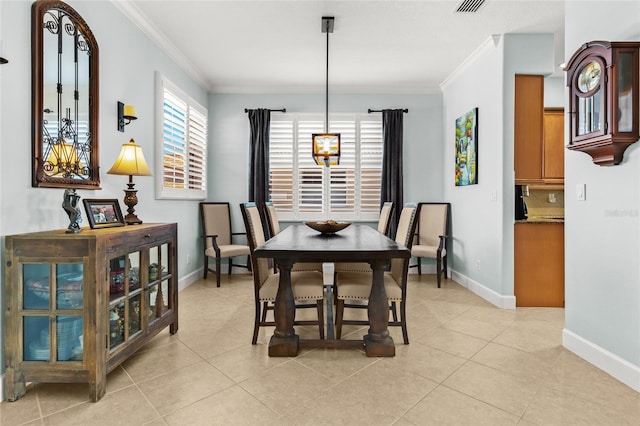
326 146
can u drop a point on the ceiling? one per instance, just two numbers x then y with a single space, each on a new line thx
261 46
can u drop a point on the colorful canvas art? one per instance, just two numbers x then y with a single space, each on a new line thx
467 148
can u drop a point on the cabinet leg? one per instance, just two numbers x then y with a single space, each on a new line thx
14 389
97 389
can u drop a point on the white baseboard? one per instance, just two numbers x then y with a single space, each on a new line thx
2 387
189 279
621 369
501 301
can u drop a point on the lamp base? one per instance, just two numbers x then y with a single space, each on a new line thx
130 200
132 219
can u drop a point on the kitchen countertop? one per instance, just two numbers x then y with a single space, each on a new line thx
542 219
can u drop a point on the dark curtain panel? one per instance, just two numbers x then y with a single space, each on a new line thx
392 188
259 120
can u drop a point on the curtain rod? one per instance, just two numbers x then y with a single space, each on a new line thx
271 110
379 110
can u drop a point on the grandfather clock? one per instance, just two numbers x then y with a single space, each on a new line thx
603 87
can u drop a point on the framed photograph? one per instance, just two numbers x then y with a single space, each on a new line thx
103 213
467 148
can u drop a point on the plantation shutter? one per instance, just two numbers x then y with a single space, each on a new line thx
174 141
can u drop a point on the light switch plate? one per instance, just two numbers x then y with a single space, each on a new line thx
581 192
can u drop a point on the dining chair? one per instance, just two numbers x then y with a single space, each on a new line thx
431 238
273 225
218 236
384 222
356 286
307 286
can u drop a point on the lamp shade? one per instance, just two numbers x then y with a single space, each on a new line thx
130 161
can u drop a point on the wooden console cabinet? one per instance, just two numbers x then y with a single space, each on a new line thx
78 305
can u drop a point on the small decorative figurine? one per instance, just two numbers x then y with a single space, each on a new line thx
70 205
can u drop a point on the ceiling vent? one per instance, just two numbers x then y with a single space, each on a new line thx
469 6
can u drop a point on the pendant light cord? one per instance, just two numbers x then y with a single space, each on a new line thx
326 92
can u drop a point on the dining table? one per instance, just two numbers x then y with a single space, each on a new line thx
356 243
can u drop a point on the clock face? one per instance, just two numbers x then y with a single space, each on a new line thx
589 77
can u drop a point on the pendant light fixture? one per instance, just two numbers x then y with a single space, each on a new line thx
326 146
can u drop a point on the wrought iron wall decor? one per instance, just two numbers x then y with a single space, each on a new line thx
64 97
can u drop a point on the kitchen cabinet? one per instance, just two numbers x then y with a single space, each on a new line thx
553 146
528 128
539 264
78 305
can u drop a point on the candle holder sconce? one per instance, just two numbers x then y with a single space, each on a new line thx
126 113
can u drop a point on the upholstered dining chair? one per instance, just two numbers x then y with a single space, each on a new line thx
218 236
356 286
431 237
307 286
273 225
384 222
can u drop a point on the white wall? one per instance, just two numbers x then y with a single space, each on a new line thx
483 223
127 61
229 138
602 244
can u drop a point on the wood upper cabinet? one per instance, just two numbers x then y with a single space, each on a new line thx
553 146
528 128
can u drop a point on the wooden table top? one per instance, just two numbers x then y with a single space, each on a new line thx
355 243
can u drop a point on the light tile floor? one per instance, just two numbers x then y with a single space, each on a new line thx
469 363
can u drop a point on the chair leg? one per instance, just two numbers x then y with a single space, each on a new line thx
444 263
419 266
256 323
321 318
438 270
264 311
206 266
339 312
217 271
230 265
403 315
394 313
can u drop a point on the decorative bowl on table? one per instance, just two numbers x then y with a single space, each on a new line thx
327 226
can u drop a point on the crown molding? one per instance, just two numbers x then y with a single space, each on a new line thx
320 89
131 11
489 44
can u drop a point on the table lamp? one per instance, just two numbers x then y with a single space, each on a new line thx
130 162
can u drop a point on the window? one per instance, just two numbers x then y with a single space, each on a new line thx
181 160
302 190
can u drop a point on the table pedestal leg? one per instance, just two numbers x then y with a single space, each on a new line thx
284 341
378 342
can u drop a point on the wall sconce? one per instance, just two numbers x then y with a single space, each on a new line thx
130 162
126 113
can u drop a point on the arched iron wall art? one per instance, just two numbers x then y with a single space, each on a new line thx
65 98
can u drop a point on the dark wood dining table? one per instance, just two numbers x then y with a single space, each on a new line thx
356 243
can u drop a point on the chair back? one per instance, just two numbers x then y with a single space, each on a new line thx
432 223
272 218
385 216
255 238
404 236
216 220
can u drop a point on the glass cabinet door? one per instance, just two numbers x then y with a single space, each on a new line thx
52 311
125 298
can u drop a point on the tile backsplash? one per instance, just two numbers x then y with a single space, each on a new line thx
545 202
